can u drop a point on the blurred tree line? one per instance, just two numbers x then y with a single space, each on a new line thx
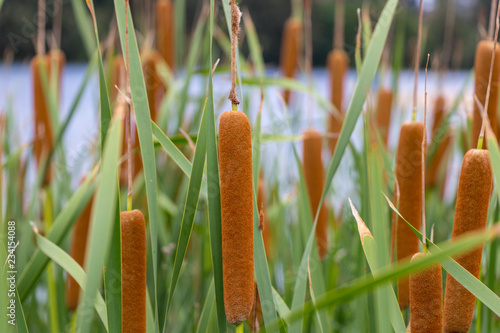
18 26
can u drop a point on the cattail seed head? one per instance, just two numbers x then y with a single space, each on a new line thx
383 112
133 232
426 297
165 31
409 180
471 213
235 164
482 66
291 44
77 252
338 64
313 172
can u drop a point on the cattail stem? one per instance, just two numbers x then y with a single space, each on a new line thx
424 144
491 24
338 30
128 129
490 76
40 49
417 59
57 22
235 29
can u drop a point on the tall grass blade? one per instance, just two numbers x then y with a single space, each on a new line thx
190 208
143 118
63 259
214 205
101 227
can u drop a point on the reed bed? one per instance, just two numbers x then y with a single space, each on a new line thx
221 211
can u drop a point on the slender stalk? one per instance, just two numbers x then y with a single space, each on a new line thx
309 52
235 29
492 19
488 89
51 283
40 49
424 143
128 130
57 22
338 30
417 58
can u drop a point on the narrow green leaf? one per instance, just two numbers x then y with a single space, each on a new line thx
204 321
62 224
214 213
190 208
143 118
63 259
103 218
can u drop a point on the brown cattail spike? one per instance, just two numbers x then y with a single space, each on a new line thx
482 66
236 193
291 44
133 231
426 297
43 141
431 177
313 172
77 252
155 88
165 28
409 180
383 112
471 213
338 64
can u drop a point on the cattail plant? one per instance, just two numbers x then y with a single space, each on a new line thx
432 172
338 64
426 297
409 174
77 252
133 233
471 213
154 85
291 43
236 194
313 172
383 112
165 31
482 64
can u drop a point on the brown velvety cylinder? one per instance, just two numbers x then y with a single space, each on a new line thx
471 213
154 85
338 64
313 172
165 31
482 66
409 178
133 231
426 299
432 172
291 43
43 140
236 194
77 252
383 112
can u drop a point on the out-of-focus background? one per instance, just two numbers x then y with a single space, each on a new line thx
18 26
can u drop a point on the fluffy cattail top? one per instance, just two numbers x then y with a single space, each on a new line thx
471 213
133 232
165 31
482 65
291 43
313 172
235 164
